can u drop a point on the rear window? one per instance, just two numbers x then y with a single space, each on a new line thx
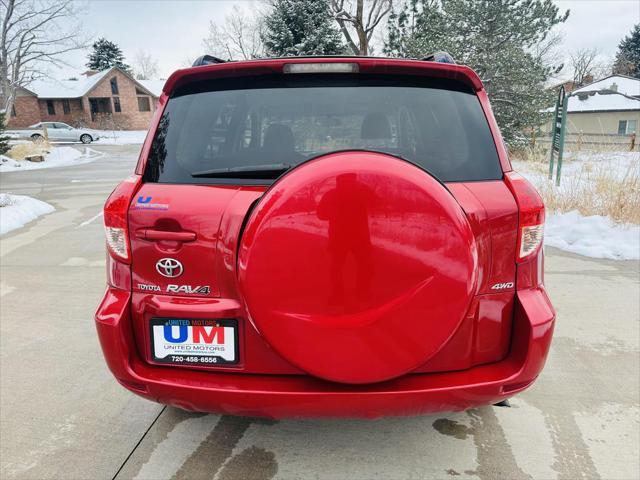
288 119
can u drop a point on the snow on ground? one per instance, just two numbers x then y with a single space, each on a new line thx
18 210
595 235
580 167
58 157
121 137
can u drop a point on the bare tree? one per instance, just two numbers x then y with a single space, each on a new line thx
583 61
358 20
31 40
238 38
587 65
145 66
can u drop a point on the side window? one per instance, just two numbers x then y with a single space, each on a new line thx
408 137
209 122
220 130
627 127
114 85
249 132
51 109
116 105
622 127
66 107
144 105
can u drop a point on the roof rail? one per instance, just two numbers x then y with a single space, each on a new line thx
440 57
206 60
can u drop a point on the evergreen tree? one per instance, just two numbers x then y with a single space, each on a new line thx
4 140
628 57
106 54
301 27
500 39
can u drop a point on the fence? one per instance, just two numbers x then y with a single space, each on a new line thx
590 141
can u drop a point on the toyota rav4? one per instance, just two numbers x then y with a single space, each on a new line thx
310 237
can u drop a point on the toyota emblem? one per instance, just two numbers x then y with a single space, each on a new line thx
169 267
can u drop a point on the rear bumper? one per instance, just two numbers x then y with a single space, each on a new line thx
280 396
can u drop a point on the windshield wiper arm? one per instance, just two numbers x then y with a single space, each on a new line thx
249 171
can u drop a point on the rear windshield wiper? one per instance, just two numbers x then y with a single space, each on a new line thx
249 171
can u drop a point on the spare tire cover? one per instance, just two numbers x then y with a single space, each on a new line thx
357 266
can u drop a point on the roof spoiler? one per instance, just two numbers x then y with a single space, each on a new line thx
206 60
440 57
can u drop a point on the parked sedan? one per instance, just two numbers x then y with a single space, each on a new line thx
58 132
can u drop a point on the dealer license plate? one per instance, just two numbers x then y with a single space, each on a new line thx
194 341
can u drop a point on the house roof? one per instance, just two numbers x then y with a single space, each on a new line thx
51 88
627 85
600 96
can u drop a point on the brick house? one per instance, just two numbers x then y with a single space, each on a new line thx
102 100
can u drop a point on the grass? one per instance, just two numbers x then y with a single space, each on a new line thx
21 150
593 185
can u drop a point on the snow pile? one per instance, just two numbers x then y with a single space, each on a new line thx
58 157
121 137
594 236
18 210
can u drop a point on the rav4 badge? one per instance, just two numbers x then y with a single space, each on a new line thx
204 289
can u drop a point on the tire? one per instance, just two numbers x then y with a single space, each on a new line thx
384 297
86 138
36 137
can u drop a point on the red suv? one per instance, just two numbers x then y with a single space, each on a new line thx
310 237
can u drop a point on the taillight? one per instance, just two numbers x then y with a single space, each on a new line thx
530 240
530 215
115 218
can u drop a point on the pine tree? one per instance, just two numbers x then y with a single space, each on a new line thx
628 56
106 54
4 140
301 27
500 39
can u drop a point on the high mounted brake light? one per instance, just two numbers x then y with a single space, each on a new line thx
530 215
327 67
115 218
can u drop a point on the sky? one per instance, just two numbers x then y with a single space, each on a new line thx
172 31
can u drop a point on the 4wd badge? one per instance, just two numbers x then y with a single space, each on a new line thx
502 286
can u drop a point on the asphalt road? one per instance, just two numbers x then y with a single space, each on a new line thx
64 417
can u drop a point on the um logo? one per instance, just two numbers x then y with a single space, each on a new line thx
207 335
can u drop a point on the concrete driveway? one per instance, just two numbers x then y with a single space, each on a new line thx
63 415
